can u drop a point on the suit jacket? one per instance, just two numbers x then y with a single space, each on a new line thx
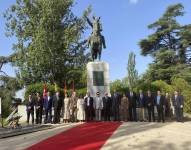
132 100
47 104
91 102
162 101
107 102
57 102
178 101
116 101
150 101
39 103
141 101
30 105
98 103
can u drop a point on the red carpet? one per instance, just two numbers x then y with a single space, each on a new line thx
88 136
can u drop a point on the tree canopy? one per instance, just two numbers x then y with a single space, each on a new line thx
132 72
169 46
50 45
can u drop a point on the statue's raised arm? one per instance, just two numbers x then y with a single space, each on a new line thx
89 22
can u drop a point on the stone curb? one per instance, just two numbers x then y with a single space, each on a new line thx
31 129
15 132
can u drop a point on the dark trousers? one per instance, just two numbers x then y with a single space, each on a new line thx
39 116
167 111
57 112
116 114
132 113
179 114
160 111
48 117
30 113
89 114
106 112
151 113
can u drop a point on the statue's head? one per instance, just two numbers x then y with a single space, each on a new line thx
96 24
96 19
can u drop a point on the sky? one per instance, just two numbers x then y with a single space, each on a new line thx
124 25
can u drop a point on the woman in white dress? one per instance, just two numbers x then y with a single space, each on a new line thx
66 109
81 109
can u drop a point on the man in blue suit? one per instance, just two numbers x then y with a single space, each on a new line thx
178 102
47 105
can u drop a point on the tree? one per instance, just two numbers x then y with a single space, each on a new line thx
50 46
8 87
169 46
118 86
184 88
132 72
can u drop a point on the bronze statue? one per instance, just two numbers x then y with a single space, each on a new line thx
96 41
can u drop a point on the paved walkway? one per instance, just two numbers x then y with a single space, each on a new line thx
151 136
129 136
24 141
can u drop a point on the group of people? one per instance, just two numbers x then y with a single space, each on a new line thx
127 107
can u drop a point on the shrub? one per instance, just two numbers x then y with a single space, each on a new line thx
82 91
162 86
145 86
185 89
38 87
118 86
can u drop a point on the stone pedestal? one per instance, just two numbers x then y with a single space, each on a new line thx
98 78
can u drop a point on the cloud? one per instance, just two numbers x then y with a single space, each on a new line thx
134 1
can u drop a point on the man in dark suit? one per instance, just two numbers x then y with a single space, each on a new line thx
57 104
142 105
116 101
47 105
30 109
39 108
107 107
132 105
89 107
178 102
150 103
160 103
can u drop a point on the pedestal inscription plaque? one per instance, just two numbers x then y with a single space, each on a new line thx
98 78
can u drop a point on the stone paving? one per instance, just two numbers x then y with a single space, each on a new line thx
24 141
130 135
151 136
